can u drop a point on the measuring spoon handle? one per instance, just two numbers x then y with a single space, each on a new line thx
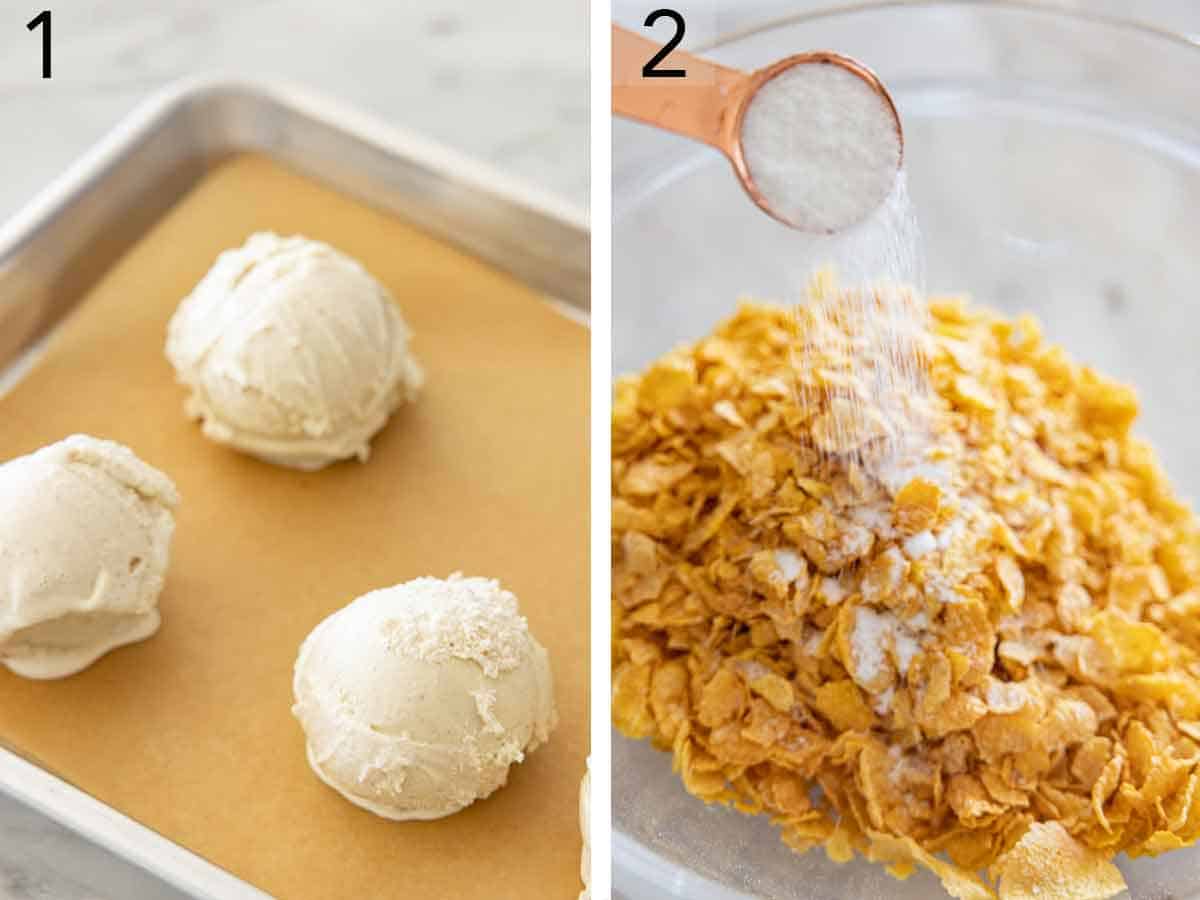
702 106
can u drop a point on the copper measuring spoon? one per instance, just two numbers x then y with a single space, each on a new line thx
710 104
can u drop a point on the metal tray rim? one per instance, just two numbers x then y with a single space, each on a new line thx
155 109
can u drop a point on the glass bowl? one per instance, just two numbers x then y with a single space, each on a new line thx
1053 158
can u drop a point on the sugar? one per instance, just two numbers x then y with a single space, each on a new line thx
919 544
877 517
867 642
821 145
832 591
876 632
897 473
883 702
1006 696
823 148
867 314
950 533
790 565
940 589
906 647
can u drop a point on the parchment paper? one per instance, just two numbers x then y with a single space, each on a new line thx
190 733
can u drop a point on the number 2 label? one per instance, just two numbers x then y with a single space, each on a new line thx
650 69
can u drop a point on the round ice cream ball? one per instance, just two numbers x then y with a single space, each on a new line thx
585 817
416 699
292 352
84 540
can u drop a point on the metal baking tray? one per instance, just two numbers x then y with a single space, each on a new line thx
55 248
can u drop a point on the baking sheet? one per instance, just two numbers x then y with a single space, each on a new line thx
190 733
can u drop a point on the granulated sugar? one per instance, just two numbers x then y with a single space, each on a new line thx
821 145
920 544
790 564
866 320
871 630
877 633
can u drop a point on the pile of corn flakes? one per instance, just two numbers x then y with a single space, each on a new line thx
983 659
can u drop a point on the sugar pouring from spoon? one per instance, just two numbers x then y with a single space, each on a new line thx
814 138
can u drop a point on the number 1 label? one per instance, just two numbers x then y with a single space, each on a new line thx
42 20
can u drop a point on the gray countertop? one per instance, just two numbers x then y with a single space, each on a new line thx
506 83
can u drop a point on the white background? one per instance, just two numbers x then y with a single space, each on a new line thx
506 82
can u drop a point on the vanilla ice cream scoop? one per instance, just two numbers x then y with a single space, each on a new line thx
292 352
585 817
85 531
416 699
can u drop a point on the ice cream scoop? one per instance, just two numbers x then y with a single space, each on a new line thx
416 699
292 352
585 815
84 541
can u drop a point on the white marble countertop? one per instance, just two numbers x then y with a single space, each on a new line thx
504 82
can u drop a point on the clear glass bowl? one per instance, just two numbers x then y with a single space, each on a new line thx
1054 162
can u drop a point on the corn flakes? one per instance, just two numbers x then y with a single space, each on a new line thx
983 656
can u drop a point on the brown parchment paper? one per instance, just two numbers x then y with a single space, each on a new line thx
190 733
